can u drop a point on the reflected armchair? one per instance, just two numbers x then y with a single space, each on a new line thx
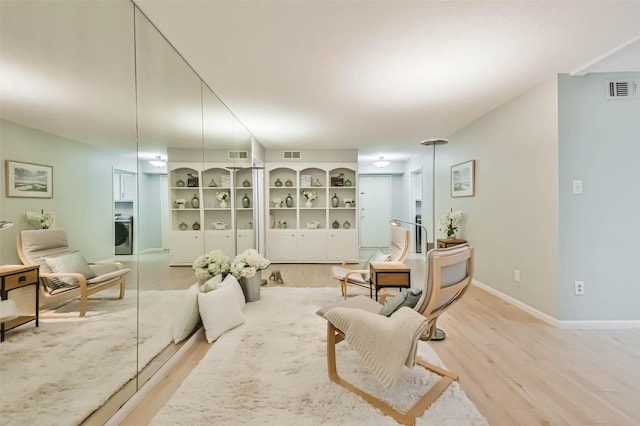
74 277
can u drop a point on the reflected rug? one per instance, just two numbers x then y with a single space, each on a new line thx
60 372
272 370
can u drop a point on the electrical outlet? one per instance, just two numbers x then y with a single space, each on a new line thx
516 275
578 288
577 187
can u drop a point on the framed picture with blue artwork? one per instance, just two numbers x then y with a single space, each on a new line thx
463 180
28 180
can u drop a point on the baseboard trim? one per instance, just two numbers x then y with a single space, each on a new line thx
148 387
566 325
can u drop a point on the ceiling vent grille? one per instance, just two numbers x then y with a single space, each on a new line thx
291 155
238 155
621 89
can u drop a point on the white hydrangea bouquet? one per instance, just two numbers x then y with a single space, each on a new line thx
309 195
451 221
222 196
42 220
211 264
248 263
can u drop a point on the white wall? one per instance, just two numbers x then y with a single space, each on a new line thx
512 222
82 190
599 229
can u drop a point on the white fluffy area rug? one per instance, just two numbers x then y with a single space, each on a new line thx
60 372
272 370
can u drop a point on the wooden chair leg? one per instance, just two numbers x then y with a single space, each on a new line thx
123 284
334 337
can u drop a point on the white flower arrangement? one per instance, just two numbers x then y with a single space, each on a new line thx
248 263
211 264
42 220
309 195
277 201
222 196
450 222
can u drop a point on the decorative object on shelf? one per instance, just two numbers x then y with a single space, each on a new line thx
247 267
348 202
180 183
219 226
42 220
192 180
314 224
211 264
337 179
222 197
309 196
278 183
183 226
225 181
335 224
195 202
181 203
288 183
450 222
282 224
317 183
348 182
246 183
288 201
305 181
463 179
195 226
335 201
346 224
246 202
277 202
212 184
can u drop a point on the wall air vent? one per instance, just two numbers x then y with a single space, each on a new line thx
238 155
291 155
621 89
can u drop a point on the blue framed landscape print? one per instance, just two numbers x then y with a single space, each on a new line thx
28 180
463 181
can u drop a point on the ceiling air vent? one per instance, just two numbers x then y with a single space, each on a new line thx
291 155
621 89
238 155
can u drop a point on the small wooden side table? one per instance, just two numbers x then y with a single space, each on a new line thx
450 242
11 278
388 274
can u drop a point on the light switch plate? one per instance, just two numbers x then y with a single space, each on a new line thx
577 187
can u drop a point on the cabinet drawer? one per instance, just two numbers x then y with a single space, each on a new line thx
21 279
392 278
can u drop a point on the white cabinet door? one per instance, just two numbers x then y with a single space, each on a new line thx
185 247
245 240
342 244
220 240
312 244
281 245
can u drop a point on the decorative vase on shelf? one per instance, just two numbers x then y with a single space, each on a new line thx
288 183
180 183
335 201
183 226
195 202
288 201
246 183
278 183
347 182
223 204
335 224
308 204
346 224
195 226
246 202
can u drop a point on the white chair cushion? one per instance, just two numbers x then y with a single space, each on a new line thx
70 263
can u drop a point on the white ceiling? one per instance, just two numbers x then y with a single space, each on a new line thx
382 76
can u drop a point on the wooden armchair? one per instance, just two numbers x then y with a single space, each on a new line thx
35 247
359 275
449 275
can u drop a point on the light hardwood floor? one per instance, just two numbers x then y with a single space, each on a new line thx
515 368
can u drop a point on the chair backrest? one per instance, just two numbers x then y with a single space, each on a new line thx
36 244
400 243
448 277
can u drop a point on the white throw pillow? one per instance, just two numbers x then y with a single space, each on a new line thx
231 281
219 311
186 315
211 284
70 263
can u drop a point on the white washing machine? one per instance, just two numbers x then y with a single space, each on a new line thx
123 230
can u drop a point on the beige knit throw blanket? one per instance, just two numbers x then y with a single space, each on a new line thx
384 343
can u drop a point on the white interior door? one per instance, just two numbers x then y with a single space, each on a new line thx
375 210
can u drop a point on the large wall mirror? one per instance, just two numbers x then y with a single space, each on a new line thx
94 91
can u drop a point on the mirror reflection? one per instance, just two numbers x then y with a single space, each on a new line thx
95 99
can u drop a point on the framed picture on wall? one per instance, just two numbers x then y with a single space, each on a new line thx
463 181
28 180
